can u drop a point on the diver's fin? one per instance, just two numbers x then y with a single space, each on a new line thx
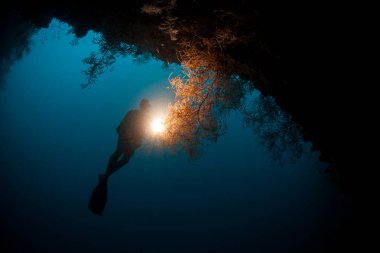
98 198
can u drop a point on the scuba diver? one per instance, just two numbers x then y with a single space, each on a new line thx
131 132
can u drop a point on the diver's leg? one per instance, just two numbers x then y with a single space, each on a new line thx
113 162
125 158
98 198
114 158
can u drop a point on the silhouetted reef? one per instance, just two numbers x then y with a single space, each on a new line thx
287 58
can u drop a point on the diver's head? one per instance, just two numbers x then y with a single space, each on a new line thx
144 104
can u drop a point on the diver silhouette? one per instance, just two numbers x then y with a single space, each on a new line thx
131 132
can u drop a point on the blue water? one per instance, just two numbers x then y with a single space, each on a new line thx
56 138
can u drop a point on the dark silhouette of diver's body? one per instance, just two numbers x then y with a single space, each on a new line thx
131 132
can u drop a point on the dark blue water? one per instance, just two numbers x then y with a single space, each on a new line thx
56 138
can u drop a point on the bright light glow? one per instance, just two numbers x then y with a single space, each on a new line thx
157 125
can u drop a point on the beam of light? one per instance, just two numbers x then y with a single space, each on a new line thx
157 125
